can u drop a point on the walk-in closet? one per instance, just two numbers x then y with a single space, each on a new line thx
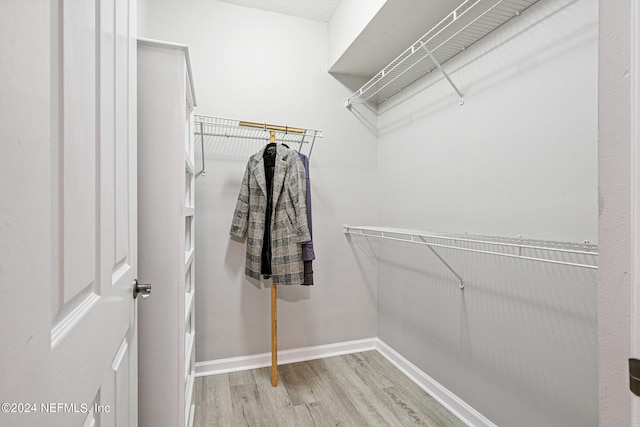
319 213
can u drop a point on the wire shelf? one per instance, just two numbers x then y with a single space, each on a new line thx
467 24
582 255
220 129
230 128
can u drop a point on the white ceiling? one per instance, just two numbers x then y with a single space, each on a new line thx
316 10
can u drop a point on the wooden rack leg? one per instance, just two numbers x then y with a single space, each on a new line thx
274 336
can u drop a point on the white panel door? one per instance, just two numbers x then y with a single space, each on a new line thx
68 231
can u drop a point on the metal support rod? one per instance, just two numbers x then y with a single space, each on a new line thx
445 263
261 138
313 141
433 58
203 172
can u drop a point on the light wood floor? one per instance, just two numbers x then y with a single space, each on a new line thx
361 389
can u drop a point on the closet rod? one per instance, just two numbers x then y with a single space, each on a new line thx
585 249
261 138
219 128
265 126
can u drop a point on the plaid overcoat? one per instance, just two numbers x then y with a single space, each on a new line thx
288 221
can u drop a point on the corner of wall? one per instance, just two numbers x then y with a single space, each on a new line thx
143 18
346 23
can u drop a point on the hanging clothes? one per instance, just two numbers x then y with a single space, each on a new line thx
308 254
269 156
288 223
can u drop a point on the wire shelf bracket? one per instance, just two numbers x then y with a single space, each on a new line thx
461 28
444 73
446 264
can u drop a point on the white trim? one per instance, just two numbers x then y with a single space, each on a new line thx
453 403
62 329
233 364
188 399
191 415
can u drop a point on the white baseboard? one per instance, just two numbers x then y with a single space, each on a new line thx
262 360
446 398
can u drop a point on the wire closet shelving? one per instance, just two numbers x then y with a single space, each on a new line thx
581 255
467 24
225 129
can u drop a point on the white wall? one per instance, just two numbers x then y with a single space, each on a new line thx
615 150
347 22
142 17
254 65
518 159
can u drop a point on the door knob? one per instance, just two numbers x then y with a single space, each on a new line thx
143 289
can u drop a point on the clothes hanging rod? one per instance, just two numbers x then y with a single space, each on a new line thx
585 249
213 126
265 126
265 137
218 128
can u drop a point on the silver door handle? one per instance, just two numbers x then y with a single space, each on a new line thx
143 289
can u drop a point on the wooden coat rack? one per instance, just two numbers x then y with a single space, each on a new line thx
274 295
274 315
223 129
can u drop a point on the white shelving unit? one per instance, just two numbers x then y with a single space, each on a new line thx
166 221
465 25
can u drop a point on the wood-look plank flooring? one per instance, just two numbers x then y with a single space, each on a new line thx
360 389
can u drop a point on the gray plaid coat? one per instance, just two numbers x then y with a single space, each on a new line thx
289 219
